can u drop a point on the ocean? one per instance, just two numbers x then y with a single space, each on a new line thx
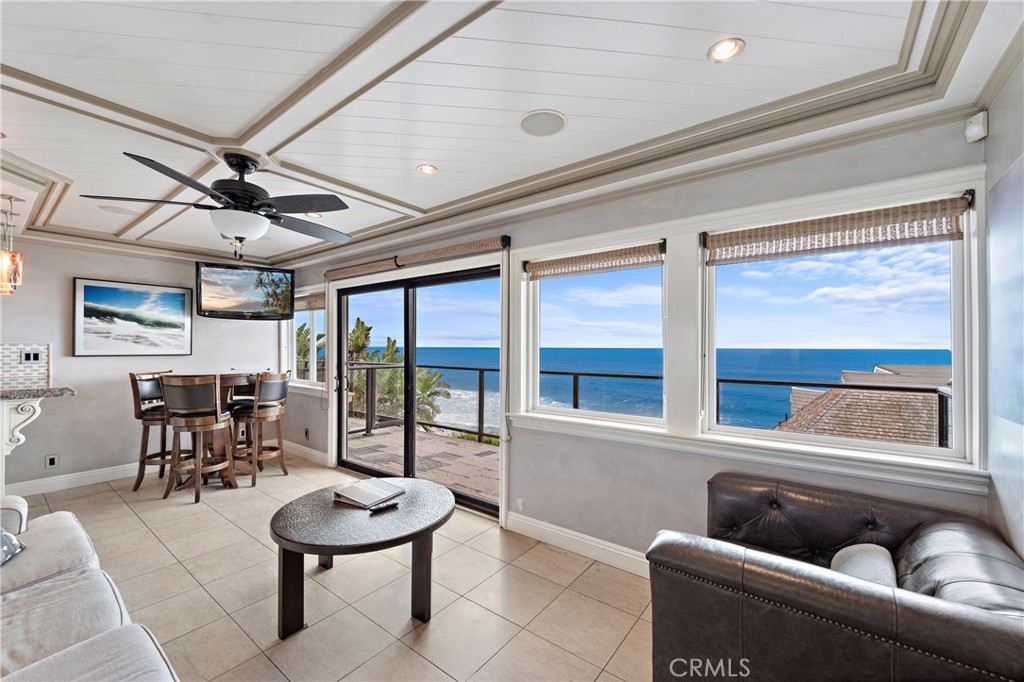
740 405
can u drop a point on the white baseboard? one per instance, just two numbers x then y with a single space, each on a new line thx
64 481
321 458
591 547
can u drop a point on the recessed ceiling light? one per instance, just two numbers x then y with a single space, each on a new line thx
427 168
543 122
312 214
119 210
726 49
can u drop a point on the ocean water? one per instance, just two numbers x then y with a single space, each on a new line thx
740 405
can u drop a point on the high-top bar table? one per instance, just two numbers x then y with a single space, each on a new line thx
316 524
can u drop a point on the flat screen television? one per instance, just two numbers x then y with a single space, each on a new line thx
244 292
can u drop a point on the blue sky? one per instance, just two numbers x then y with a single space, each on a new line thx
162 303
605 310
467 314
880 298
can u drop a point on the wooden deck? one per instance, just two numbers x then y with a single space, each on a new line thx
465 466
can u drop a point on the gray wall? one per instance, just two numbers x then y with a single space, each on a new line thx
97 428
306 411
622 493
1005 334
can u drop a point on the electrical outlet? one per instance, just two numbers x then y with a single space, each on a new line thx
307 434
51 461
32 357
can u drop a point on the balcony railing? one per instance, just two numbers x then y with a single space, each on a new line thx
372 419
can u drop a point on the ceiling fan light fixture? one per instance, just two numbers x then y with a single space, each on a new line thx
427 168
313 214
726 49
243 225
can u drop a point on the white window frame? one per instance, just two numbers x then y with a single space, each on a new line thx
289 328
528 349
685 392
963 335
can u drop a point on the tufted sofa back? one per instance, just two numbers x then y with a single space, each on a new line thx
807 522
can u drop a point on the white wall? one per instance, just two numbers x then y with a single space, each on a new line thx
97 428
1005 357
624 493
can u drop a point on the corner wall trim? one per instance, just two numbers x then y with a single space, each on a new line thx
594 548
321 458
63 482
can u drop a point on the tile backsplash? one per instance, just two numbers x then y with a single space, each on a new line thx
17 374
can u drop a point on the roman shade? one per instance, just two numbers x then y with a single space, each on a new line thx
472 248
929 221
310 302
629 258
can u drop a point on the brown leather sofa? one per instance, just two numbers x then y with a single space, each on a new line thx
756 600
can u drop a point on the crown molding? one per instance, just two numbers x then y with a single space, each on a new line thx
387 73
496 217
1008 63
399 14
106 104
84 239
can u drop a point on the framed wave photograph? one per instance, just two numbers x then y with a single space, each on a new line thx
121 318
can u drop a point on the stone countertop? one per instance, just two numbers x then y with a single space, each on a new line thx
37 393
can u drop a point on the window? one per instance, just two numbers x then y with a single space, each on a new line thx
842 328
600 332
310 340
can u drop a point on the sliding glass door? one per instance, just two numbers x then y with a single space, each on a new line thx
420 359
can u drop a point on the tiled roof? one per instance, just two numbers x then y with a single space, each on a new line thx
888 416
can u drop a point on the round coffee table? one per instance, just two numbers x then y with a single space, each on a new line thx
316 524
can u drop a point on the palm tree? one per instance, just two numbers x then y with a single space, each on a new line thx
430 385
303 358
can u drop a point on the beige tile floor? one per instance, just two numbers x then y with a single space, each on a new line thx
203 578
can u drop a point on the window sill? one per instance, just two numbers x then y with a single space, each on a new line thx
305 388
931 473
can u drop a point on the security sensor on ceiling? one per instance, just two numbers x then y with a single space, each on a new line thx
977 127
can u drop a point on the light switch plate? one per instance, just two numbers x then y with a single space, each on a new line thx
33 356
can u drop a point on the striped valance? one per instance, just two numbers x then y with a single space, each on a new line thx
628 258
923 222
310 302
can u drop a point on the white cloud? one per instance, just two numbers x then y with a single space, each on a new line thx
622 297
757 274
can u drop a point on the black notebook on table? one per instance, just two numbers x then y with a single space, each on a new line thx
367 493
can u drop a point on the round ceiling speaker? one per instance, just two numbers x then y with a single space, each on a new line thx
543 122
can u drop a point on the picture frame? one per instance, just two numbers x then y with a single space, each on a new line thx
114 318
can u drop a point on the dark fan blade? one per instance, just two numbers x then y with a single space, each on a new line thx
303 203
182 178
147 201
309 229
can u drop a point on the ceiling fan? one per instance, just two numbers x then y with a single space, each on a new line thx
244 210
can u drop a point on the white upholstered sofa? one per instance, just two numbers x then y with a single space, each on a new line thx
62 616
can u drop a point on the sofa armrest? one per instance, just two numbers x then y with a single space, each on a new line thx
14 514
787 619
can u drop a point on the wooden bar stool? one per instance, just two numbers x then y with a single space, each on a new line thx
192 405
148 398
271 394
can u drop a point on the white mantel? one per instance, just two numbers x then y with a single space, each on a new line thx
19 408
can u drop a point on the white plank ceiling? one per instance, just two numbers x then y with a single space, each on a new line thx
350 97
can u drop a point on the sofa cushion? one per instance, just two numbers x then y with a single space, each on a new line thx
868 562
14 513
125 653
10 546
50 616
963 561
57 543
